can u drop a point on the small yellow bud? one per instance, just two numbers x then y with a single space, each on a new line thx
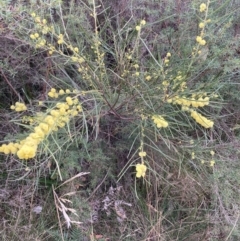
138 28
198 39
142 153
51 94
148 77
202 42
32 36
212 153
61 92
201 25
69 100
136 66
212 162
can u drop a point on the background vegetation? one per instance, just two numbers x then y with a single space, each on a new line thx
136 73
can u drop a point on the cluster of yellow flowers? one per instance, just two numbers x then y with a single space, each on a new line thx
53 93
41 24
10 148
41 28
211 162
18 107
142 23
141 169
195 101
60 39
40 42
179 82
159 121
58 117
200 119
166 61
200 40
185 102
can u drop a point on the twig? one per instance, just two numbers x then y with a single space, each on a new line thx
5 78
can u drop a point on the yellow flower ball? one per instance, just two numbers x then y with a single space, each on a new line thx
148 77
198 39
44 127
74 113
138 28
61 92
69 100
201 25
27 152
62 111
141 170
137 73
212 163
202 42
142 153
55 113
79 107
49 120
12 148
203 7
51 94
32 36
